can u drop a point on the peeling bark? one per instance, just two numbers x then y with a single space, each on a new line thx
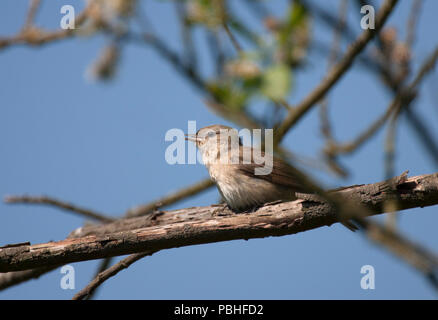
199 225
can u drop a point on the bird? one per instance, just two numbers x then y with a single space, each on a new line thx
233 168
236 181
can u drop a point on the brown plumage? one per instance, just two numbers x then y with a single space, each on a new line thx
237 181
238 184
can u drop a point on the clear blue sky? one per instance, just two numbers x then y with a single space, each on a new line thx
102 146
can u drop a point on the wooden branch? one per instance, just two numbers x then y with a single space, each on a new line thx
37 36
199 225
12 278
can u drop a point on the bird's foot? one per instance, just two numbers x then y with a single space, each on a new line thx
220 210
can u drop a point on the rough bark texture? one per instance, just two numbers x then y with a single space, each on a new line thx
198 225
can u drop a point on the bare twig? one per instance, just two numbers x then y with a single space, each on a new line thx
172 57
216 51
103 265
426 67
391 220
59 204
326 127
335 73
423 133
108 273
33 8
418 257
241 118
329 18
36 36
333 57
393 82
368 133
186 35
403 97
10 279
232 38
412 22
170 199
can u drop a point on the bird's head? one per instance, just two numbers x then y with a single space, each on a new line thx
214 137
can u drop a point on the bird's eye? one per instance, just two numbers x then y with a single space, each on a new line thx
211 134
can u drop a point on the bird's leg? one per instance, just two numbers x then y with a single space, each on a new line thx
220 210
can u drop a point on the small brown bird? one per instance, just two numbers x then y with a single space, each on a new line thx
236 179
246 178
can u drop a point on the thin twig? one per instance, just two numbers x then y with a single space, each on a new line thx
418 257
59 204
103 265
10 279
328 18
391 218
33 8
333 57
110 272
186 35
240 117
423 133
335 73
170 199
232 38
216 51
365 135
36 36
403 97
224 17
326 127
412 22
389 150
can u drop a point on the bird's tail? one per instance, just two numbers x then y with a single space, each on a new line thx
350 225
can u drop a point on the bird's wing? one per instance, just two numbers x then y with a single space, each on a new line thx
282 173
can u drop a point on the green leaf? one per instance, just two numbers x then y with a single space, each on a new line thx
229 94
277 81
297 17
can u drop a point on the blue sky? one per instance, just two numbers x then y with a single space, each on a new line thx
101 145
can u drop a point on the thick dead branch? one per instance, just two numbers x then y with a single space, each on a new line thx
199 225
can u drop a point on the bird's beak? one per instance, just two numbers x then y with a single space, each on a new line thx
192 137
